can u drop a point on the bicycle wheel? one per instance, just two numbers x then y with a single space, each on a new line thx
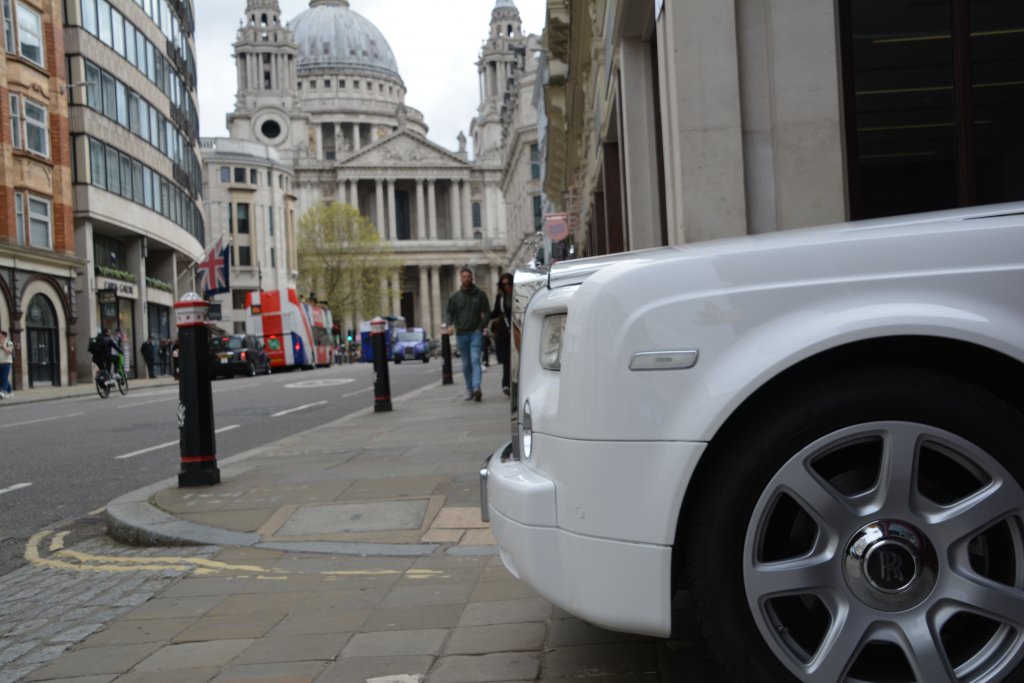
122 383
101 387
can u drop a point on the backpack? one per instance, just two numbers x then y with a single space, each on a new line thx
94 345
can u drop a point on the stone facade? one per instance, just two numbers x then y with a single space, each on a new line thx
675 122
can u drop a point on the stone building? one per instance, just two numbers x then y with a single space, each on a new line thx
37 248
247 190
325 93
137 174
674 122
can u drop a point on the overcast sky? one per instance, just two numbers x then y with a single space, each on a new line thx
436 44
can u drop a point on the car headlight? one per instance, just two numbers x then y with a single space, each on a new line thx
551 342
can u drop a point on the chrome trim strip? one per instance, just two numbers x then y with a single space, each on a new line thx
663 360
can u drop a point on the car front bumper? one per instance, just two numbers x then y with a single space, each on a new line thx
618 583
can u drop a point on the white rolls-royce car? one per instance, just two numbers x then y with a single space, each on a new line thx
819 433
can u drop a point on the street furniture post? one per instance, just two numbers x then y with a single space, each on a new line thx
446 357
195 395
381 381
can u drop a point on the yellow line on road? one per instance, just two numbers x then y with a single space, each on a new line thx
78 561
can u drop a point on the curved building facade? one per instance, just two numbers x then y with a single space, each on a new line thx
137 168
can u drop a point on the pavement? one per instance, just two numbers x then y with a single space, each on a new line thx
351 553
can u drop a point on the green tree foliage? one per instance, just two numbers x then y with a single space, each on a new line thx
342 258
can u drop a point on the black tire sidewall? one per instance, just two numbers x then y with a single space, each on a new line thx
744 460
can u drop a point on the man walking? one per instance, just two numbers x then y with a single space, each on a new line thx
468 311
149 355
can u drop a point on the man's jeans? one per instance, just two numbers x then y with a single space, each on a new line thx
470 347
5 377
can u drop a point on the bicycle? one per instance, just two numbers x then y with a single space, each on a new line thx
106 379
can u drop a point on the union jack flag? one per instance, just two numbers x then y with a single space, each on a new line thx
215 269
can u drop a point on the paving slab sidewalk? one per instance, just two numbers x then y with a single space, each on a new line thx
355 553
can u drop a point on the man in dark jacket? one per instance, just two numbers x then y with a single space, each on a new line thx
468 311
105 351
149 355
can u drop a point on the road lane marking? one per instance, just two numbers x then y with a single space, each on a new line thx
169 443
293 410
42 419
16 487
361 391
317 383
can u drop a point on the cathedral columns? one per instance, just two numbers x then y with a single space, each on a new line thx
467 210
432 210
454 213
421 213
380 218
435 300
424 301
392 211
240 70
396 295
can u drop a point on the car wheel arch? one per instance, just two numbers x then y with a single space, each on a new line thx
989 369
914 383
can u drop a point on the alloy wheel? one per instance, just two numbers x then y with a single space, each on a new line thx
889 551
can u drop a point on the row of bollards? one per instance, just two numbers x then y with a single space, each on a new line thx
195 393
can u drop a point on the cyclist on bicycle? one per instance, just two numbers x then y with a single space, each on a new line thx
105 352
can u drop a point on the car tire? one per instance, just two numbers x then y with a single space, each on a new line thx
867 527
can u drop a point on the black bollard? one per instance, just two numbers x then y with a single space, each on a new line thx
195 396
381 381
446 358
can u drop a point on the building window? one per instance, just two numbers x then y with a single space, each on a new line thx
534 161
932 97
19 216
244 256
243 218
239 175
273 258
30 126
29 36
40 232
8 27
16 122
270 222
476 214
254 176
225 174
538 213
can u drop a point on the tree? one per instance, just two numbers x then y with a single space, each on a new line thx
342 258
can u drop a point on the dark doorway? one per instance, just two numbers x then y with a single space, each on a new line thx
43 347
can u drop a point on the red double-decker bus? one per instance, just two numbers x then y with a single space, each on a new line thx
279 319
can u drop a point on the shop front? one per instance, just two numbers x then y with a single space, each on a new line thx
116 300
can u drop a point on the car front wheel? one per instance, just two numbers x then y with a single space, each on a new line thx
868 529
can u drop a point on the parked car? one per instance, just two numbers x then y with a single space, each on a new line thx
237 354
818 432
410 344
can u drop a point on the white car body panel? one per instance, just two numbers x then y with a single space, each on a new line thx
614 448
